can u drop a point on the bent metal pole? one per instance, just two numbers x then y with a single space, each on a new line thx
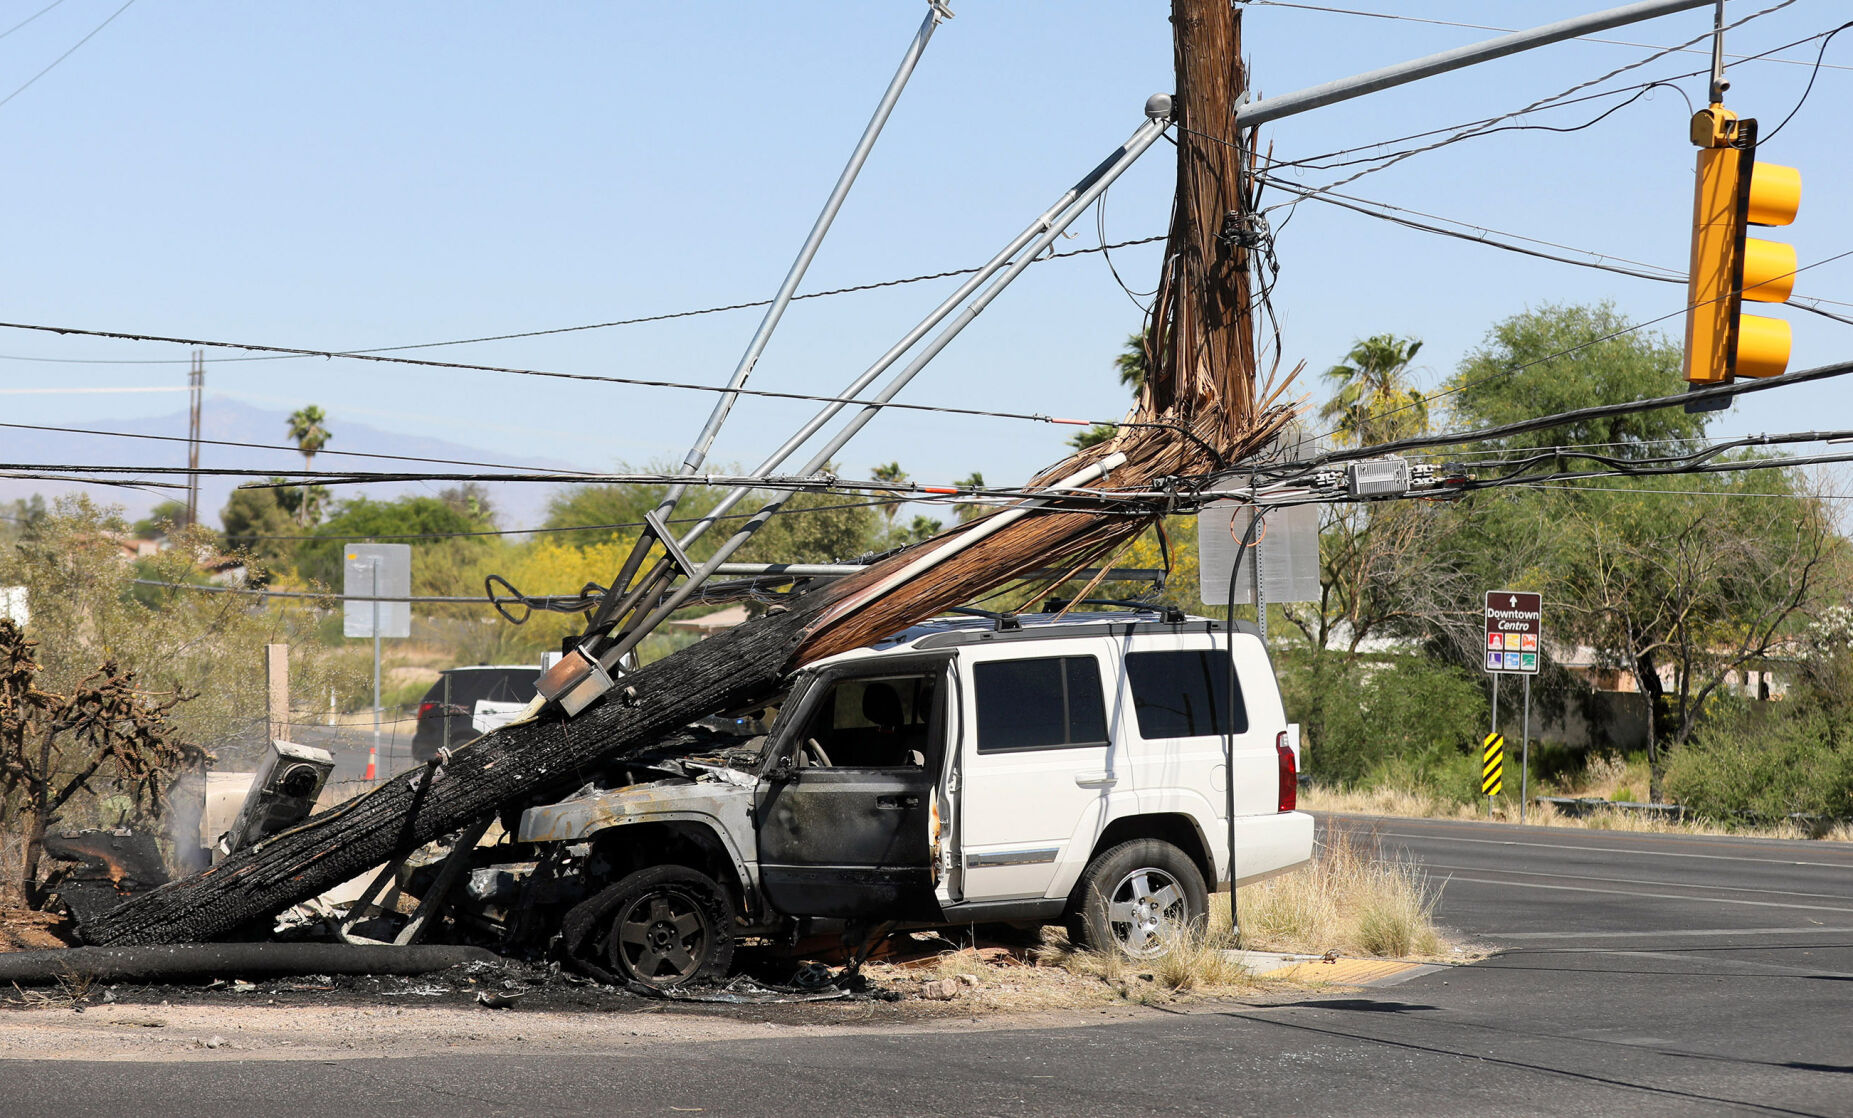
938 315
1158 112
1344 89
698 453
638 597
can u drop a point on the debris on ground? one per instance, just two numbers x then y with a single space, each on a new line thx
25 929
93 871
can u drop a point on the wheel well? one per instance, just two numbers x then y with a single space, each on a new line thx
1172 827
622 851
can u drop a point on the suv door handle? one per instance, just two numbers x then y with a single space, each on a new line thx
1096 780
897 803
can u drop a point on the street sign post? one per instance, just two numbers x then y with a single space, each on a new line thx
1514 644
371 572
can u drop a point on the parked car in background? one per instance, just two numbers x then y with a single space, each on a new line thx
466 702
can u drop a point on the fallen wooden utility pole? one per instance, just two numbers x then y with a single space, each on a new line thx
1200 410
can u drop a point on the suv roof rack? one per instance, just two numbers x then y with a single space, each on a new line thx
951 633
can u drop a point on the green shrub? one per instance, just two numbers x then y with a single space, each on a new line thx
1766 764
1394 720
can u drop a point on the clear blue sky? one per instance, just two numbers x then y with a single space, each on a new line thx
348 175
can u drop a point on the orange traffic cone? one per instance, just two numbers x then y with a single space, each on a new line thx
373 761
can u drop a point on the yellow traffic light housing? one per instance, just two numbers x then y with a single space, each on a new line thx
1732 192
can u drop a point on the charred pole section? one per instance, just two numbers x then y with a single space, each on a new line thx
1200 410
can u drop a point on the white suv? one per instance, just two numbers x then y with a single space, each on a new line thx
1025 770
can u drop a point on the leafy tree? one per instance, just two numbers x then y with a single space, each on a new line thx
440 564
471 499
1371 399
617 510
922 528
814 528
1558 358
86 610
1677 581
22 517
257 524
308 427
162 519
1682 592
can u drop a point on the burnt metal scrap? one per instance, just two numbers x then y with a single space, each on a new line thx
94 871
508 768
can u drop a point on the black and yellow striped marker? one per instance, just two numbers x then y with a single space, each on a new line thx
1493 764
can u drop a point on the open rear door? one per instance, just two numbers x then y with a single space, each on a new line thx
845 809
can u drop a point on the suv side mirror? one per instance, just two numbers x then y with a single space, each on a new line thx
782 770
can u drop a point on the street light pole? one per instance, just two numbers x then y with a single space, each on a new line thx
373 752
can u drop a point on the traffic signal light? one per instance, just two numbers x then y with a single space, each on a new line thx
1732 193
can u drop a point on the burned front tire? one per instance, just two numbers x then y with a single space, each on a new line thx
1138 899
661 927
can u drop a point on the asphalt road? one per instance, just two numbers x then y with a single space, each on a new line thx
1640 975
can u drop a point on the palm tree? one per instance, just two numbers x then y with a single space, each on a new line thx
1131 364
1370 400
967 509
891 474
308 426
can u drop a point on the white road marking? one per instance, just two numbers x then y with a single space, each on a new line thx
1668 933
1621 880
1615 850
1655 896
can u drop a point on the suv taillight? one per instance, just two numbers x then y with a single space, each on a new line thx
1289 796
425 709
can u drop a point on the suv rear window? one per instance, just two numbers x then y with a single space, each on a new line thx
1185 694
1052 703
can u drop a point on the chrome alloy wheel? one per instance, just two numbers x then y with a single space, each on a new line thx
1148 912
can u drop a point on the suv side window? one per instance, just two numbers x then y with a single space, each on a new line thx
875 722
1185 694
1049 703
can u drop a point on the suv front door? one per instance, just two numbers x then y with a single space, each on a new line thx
845 809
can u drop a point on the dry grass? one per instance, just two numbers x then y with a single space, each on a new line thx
1395 802
1345 901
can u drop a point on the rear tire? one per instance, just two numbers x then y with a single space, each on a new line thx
662 927
1137 899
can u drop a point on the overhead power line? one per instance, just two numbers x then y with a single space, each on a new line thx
1490 237
255 446
1559 419
30 18
291 355
640 382
29 82
1543 102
